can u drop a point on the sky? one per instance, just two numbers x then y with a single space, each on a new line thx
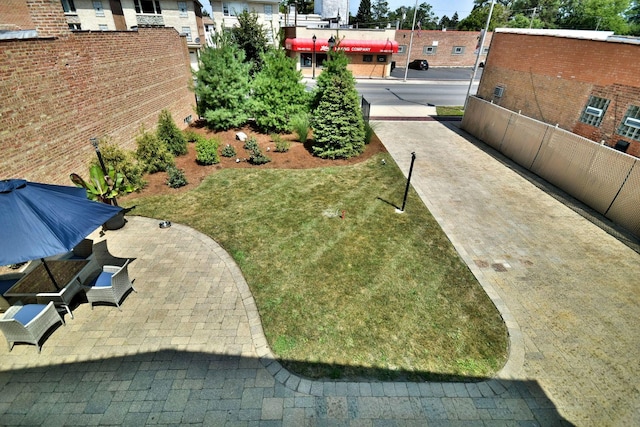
439 7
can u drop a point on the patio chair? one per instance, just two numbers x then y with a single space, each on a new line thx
61 298
110 286
28 323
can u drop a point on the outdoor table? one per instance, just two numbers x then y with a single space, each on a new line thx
38 280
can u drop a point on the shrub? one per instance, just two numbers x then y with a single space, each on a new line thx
251 144
369 131
176 177
207 151
122 161
152 153
282 145
191 135
169 133
228 151
277 92
300 125
257 157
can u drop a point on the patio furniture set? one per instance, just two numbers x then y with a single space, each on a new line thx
45 288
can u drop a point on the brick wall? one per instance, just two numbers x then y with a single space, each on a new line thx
14 15
443 43
56 94
550 79
48 17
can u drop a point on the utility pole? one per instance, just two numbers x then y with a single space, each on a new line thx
413 27
480 48
533 15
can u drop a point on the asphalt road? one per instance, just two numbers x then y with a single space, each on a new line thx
436 86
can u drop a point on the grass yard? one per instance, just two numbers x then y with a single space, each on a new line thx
375 294
449 111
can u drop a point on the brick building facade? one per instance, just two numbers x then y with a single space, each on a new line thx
440 48
585 82
62 88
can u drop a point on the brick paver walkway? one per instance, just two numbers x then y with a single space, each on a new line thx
188 347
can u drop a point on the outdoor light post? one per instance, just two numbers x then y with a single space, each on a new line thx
313 59
94 142
406 190
332 43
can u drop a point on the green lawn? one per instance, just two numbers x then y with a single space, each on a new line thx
376 294
449 111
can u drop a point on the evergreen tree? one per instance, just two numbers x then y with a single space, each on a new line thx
477 19
336 118
455 20
278 93
445 22
222 85
251 37
379 11
168 132
364 13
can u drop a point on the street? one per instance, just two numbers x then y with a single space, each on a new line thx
436 86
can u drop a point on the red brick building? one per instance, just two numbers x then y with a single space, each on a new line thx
60 88
441 48
586 82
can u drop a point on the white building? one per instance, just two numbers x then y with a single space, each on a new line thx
225 15
333 10
122 15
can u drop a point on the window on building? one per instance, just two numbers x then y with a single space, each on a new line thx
268 11
457 50
182 7
630 126
148 6
485 50
320 58
97 6
367 58
382 58
187 32
402 48
306 60
68 6
103 27
75 27
594 111
234 9
429 50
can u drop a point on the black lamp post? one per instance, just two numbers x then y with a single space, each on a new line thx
313 59
332 43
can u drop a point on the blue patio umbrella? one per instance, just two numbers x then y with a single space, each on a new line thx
40 220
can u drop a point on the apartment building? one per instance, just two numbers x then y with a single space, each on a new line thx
121 15
225 15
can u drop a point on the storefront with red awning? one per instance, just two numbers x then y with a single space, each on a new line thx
367 58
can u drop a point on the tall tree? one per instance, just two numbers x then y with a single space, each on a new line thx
425 18
222 85
363 17
445 22
544 13
379 11
477 19
594 14
336 118
251 37
455 20
278 93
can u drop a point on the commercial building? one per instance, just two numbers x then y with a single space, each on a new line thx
585 82
441 48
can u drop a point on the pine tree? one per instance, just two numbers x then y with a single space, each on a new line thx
222 85
168 132
278 93
336 118
364 13
251 37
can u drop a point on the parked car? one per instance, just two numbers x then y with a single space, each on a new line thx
419 64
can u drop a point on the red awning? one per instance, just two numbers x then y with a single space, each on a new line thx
349 46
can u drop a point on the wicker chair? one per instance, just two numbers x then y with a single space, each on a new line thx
61 298
110 286
28 323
